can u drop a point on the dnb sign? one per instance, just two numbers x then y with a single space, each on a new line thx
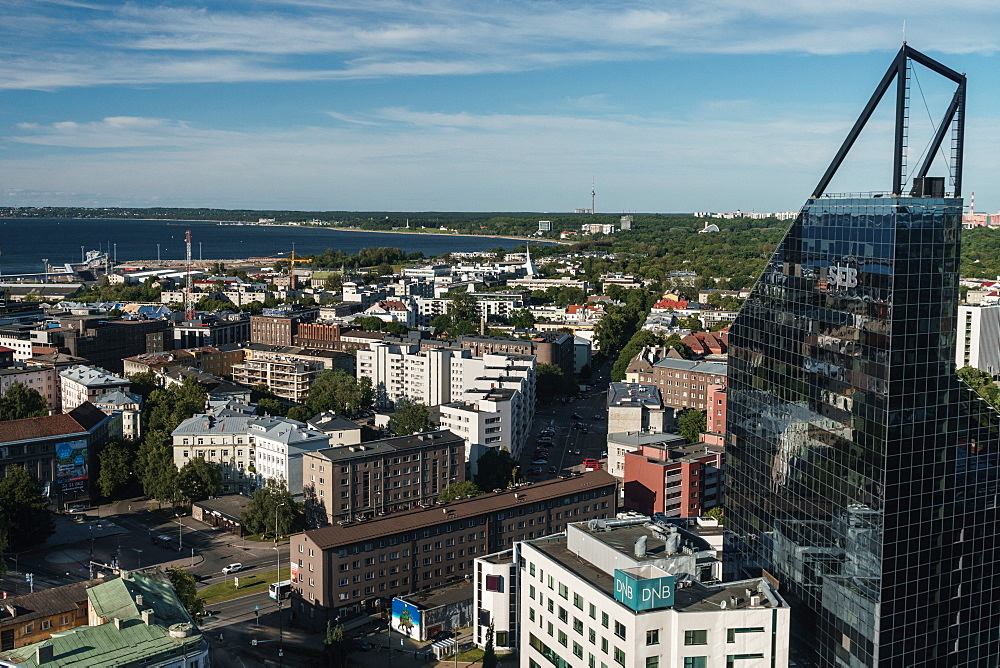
647 594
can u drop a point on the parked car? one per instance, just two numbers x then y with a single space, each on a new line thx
576 452
232 568
552 470
576 416
536 470
540 460
604 453
362 645
598 416
79 508
583 430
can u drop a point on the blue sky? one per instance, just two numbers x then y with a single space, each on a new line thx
455 105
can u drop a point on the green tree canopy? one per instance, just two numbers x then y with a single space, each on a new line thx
489 652
410 418
155 466
336 645
184 586
459 490
116 461
981 382
299 413
551 381
21 401
497 470
338 391
691 425
463 306
25 510
199 479
272 501
165 408
521 319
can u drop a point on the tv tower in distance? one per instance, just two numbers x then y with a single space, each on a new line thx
593 193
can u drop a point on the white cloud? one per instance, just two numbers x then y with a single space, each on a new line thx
248 41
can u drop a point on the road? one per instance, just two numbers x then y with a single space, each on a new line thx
592 413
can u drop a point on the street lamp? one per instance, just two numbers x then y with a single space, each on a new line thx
180 533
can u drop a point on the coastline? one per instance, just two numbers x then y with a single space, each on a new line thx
558 242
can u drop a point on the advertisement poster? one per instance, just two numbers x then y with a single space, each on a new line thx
71 465
295 571
405 618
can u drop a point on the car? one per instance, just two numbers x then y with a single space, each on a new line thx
604 453
362 645
79 508
544 439
540 461
548 431
576 416
583 430
442 635
598 416
552 470
576 452
232 568
536 470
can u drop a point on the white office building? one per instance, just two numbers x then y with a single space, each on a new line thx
978 340
635 593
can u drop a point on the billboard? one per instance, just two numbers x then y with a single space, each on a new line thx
71 465
295 571
406 618
644 594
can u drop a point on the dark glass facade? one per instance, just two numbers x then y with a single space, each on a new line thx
861 471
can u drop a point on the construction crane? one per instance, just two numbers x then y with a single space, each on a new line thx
189 287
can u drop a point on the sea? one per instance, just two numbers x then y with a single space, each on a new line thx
25 243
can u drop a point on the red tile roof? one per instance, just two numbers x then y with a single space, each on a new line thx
77 421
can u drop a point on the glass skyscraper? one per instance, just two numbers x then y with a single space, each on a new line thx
862 472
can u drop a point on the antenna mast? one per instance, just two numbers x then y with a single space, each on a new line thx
593 192
189 287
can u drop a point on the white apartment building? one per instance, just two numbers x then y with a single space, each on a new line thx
126 409
499 304
491 419
42 379
634 593
438 375
18 340
223 440
80 383
978 340
279 444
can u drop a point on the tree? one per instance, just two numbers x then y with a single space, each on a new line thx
155 466
20 401
410 418
336 645
716 513
550 381
28 518
270 406
199 479
299 413
337 391
982 383
463 306
692 323
116 461
184 586
272 500
521 319
497 470
489 652
691 425
395 328
459 490
441 323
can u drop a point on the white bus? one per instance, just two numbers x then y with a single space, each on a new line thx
280 590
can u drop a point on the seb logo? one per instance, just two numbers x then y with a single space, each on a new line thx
843 277
644 594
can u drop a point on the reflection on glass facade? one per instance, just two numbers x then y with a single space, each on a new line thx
862 471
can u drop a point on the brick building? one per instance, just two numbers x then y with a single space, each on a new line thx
370 479
679 480
279 327
682 383
553 347
348 570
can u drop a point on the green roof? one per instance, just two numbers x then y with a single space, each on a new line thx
107 646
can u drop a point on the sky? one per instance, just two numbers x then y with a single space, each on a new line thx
455 105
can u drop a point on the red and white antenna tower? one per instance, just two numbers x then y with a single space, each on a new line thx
189 288
972 204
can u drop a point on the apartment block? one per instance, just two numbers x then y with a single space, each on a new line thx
342 571
682 383
487 419
79 384
978 339
211 330
678 480
367 480
43 378
637 407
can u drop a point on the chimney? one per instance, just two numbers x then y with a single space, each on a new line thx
118 623
44 654
138 600
640 547
147 617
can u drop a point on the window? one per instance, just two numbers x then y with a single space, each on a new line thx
46 624
653 637
620 630
652 662
619 656
592 611
563 615
563 590
578 601
563 639
731 633
696 637
695 662
577 650
604 619
578 626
